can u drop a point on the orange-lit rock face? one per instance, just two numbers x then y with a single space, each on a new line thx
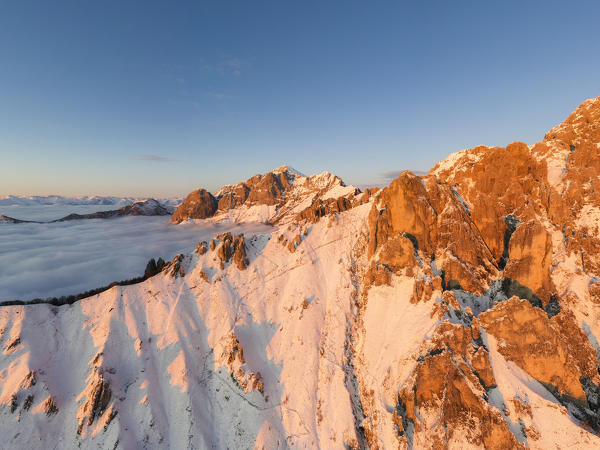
320 208
199 204
267 189
496 182
428 216
232 246
235 197
444 403
575 202
583 125
530 258
554 351
284 190
555 183
460 310
528 217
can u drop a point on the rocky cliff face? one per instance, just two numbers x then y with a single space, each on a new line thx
199 204
460 309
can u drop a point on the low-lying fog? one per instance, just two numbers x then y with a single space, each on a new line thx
50 260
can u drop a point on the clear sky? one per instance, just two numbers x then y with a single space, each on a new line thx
157 98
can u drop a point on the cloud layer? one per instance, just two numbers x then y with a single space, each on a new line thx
48 260
155 158
390 175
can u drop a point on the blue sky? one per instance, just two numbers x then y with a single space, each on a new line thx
158 98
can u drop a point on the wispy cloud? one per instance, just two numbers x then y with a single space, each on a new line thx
225 66
390 175
382 179
155 158
218 95
235 65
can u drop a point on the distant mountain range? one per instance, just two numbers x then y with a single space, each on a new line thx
149 207
14 200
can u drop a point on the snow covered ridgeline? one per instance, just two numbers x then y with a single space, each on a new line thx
148 207
49 200
275 197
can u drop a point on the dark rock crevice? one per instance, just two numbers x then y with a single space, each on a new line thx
511 225
405 426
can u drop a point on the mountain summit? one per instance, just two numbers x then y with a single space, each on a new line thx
460 309
276 196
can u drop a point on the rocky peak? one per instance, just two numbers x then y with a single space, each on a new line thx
267 189
289 170
149 207
276 196
420 224
199 204
582 125
553 182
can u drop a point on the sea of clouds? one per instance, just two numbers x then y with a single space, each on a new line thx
54 259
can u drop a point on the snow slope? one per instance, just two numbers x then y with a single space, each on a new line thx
162 347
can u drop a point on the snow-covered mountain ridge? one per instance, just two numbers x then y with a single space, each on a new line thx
12 200
53 207
149 207
460 309
282 195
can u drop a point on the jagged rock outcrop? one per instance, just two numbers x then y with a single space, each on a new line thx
199 204
267 189
97 398
233 196
486 178
201 248
554 351
493 223
232 246
321 208
175 268
552 183
417 222
451 382
49 407
245 378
